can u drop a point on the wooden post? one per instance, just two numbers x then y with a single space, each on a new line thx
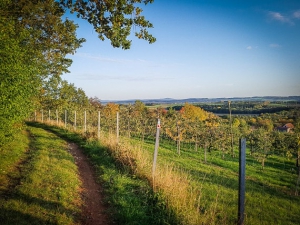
56 118
178 138
156 148
75 119
84 121
65 118
42 116
117 129
49 117
99 125
242 173
35 115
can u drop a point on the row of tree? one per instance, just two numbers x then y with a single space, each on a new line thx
191 125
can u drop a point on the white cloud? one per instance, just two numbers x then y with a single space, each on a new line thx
249 48
279 17
274 45
296 14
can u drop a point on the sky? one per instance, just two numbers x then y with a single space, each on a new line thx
204 49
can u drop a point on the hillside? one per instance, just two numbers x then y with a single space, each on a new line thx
208 100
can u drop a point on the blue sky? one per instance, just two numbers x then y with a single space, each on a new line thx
204 49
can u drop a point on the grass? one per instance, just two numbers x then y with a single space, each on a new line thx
131 199
269 192
41 183
187 190
12 156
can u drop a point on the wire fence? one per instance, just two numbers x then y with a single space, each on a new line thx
270 191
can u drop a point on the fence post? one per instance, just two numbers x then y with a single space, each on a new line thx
242 173
65 118
85 121
56 118
117 129
34 115
98 125
75 119
156 148
42 116
49 117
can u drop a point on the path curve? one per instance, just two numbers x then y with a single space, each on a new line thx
94 211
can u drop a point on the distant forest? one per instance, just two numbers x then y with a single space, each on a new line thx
241 107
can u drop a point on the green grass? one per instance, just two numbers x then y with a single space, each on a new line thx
12 157
41 182
269 193
131 199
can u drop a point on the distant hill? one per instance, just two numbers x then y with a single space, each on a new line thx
207 100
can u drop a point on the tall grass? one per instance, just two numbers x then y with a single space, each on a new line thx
131 199
207 193
198 192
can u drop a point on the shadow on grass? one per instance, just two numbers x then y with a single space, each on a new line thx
13 217
122 187
14 204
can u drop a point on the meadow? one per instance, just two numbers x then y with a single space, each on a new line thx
192 190
186 189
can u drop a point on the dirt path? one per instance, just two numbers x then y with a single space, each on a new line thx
94 211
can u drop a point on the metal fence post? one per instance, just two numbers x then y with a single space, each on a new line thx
65 118
156 148
117 129
56 117
85 121
75 119
98 125
242 173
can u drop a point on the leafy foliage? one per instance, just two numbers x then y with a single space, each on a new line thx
18 78
35 42
113 19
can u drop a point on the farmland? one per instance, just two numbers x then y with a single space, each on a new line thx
197 178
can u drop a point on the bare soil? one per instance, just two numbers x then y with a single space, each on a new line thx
94 210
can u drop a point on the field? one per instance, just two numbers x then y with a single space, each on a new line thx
269 193
189 188
207 192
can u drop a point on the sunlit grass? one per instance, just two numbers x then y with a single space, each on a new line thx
131 199
47 190
197 192
13 154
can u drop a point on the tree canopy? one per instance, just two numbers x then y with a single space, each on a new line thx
113 19
35 40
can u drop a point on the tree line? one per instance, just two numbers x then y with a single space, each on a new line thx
36 39
190 125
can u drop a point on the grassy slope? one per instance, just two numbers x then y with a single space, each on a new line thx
269 192
40 185
131 199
